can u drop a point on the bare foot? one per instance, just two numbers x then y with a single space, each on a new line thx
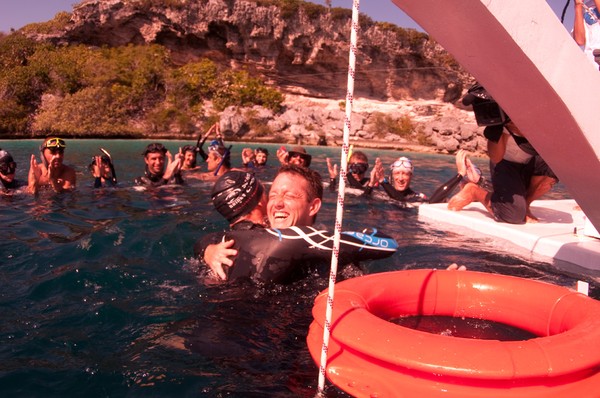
473 173
530 218
461 165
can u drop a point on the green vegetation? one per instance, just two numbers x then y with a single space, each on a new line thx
123 91
289 8
411 38
134 90
57 24
385 124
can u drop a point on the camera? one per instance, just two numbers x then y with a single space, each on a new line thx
487 111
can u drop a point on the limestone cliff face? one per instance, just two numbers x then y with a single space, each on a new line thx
302 52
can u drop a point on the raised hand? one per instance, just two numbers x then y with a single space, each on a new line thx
34 176
333 169
96 171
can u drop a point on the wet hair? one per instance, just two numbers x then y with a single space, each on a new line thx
155 147
5 156
359 156
217 147
358 163
226 161
191 148
315 183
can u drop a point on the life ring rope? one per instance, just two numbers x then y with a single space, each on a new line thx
341 190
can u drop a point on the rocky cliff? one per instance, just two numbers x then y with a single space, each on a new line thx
302 48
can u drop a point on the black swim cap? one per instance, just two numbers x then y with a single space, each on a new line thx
7 163
236 193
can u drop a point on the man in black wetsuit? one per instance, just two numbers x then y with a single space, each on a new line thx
294 200
398 185
358 164
155 173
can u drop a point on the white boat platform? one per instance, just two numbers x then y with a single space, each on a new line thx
562 232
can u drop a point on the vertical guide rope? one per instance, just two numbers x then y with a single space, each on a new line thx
340 200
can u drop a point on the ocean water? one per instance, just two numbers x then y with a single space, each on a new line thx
99 295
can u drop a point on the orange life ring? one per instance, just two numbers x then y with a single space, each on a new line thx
371 357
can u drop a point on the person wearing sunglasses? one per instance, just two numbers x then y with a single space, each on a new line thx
51 171
586 28
358 164
8 168
296 156
156 157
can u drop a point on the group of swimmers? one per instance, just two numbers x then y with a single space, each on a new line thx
296 193
49 172
161 167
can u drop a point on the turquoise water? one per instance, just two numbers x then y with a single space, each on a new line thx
100 297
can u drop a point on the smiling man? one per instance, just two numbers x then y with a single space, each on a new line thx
155 173
294 200
295 197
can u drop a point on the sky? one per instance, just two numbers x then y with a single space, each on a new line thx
17 13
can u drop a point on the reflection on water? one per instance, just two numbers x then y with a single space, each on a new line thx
100 296
470 328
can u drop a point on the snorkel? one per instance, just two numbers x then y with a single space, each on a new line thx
110 164
225 154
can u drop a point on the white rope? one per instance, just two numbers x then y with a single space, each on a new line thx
340 201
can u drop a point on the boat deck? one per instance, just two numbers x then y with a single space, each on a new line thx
559 233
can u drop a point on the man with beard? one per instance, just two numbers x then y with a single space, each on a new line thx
51 172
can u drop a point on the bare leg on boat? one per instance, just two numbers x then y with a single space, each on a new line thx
538 186
468 194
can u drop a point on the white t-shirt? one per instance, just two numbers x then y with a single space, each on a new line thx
513 152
